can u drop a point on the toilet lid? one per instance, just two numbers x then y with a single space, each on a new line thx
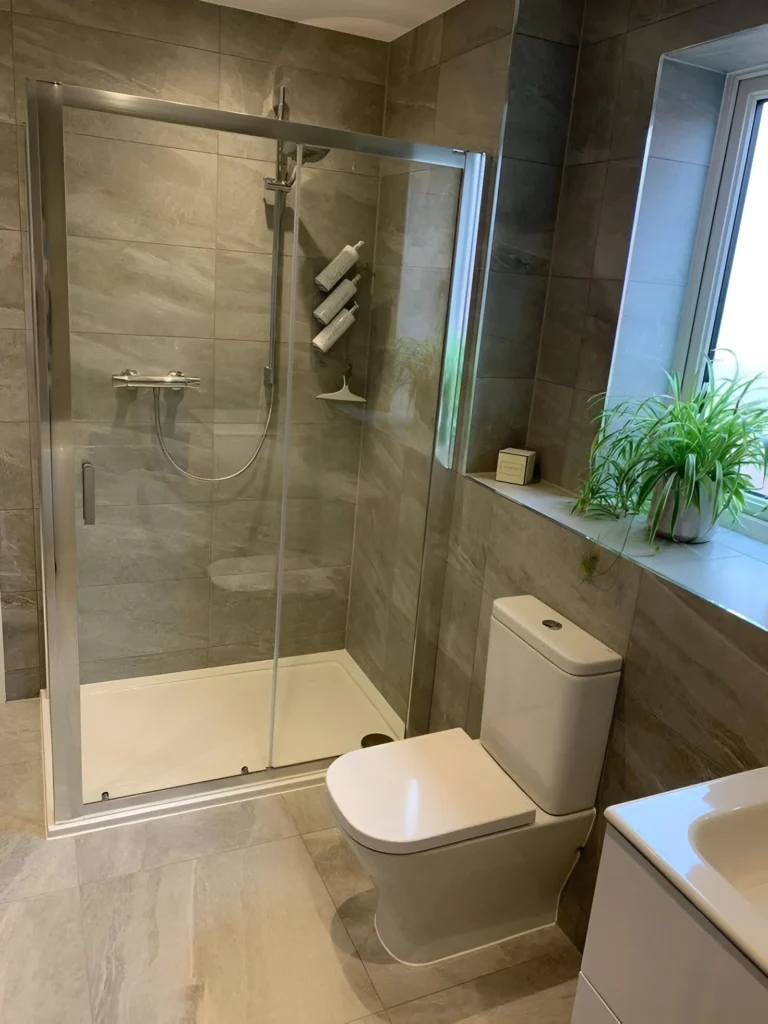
424 792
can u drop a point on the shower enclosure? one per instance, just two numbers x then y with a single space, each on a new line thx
232 551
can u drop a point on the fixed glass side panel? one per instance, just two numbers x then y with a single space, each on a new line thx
175 287
369 344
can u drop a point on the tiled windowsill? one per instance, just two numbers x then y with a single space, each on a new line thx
730 571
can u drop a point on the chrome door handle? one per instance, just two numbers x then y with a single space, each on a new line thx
89 494
175 380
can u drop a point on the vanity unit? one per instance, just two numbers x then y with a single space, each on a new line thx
679 926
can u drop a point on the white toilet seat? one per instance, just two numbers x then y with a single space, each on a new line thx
424 793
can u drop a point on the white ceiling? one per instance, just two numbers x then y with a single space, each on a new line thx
377 19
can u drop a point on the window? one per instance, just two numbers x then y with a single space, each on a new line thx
730 314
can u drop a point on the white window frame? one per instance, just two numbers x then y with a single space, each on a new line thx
720 206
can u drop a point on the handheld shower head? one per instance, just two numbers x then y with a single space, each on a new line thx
310 155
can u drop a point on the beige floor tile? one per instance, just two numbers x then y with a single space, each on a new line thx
238 937
337 865
20 732
30 864
149 844
43 976
539 992
309 809
398 983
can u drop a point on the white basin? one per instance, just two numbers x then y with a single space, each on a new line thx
711 842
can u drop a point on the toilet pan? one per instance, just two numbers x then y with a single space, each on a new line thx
460 856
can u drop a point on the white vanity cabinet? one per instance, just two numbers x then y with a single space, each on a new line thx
652 958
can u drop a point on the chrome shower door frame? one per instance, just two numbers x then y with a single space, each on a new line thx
50 301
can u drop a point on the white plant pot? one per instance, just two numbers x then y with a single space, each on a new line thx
694 525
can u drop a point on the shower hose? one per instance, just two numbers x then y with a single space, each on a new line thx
211 479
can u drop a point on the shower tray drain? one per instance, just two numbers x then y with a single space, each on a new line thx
373 739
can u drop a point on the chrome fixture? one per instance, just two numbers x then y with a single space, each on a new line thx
174 381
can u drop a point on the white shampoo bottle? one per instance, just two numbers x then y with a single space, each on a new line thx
338 326
338 267
338 298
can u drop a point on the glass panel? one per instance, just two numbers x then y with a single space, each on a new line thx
358 471
170 235
739 347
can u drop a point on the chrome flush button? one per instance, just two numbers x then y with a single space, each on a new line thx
551 623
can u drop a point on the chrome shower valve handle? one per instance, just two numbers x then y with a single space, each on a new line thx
175 380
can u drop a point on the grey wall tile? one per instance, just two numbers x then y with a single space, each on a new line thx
139 193
144 543
529 554
471 97
548 427
17 551
605 18
7 87
129 619
450 694
598 335
578 220
668 219
616 218
499 419
247 86
173 21
594 102
107 60
314 601
140 288
646 11
416 50
277 41
696 678
15 466
9 178
558 20
336 207
470 523
412 105
474 22
635 98
142 665
23 684
509 341
11 286
561 330
243 226
687 108
20 631
135 129
242 294
540 92
647 338
332 101
14 403
458 624
585 406
525 217
243 609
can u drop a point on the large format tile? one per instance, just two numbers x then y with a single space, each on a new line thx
594 101
558 20
7 94
173 21
499 418
561 330
90 57
17 551
243 282
244 224
578 220
20 732
96 357
11 283
21 631
525 217
514 308
337 865
337 209
130 848
140 193
127 619
30 864
242 609
44 970
471 98
309 809
277 41
240 936
9 178
695 671
141 288
473 23
540 92
137 129
142 665
142 543
15 466
14 399
542 991
529 554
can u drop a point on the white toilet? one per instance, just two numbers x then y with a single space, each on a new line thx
471 841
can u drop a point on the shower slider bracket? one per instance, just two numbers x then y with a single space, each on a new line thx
175 380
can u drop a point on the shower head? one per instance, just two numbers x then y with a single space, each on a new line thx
310 155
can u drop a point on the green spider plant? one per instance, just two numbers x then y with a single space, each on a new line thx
685 450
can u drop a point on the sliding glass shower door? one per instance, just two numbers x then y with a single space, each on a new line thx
233 505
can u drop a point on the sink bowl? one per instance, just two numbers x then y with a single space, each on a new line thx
735 844
711 842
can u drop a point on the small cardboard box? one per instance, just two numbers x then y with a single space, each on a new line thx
515 466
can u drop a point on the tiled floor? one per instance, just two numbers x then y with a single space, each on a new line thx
252 912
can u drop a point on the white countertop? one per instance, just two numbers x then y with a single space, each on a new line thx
711 842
